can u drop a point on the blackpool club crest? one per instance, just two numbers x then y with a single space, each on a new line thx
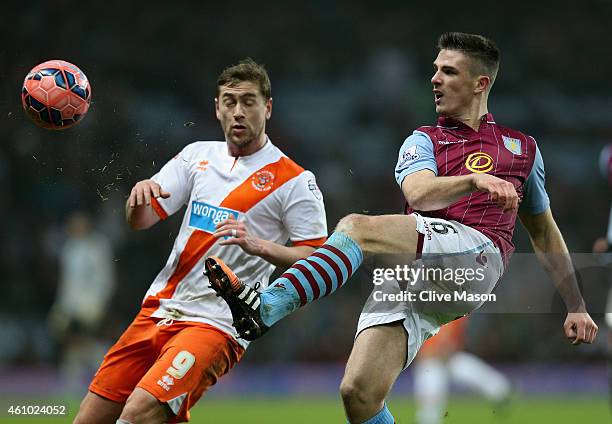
263 180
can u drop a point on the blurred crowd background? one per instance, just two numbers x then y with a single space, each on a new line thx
350 81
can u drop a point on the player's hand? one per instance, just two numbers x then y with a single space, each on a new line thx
502 192
237 233
579 327
143 191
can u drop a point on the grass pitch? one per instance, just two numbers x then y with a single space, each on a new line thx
465 410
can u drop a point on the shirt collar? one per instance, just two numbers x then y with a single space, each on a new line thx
450 123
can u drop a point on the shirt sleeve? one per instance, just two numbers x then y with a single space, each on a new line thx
304 212
173 178
415 155
535 199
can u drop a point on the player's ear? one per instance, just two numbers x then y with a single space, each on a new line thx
482 84
217 108
269 108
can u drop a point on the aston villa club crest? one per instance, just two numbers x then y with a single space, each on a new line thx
512 144
262 180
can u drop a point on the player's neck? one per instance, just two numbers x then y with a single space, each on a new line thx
473 117
248 148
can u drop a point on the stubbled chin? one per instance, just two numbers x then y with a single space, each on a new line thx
240 141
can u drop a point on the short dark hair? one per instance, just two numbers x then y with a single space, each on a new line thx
478 48
246 70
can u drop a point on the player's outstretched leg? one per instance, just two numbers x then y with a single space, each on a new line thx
308 279
320 274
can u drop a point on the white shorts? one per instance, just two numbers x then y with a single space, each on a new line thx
446 245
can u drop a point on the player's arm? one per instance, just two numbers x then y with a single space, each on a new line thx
417 174
303 216
281 256
552 253
149 202
274 253
139 210
277 254
424 191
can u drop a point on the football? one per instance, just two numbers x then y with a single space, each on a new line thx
56 95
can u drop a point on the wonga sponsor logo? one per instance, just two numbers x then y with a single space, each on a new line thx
205 217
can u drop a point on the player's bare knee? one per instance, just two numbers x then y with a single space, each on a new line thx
90 417
79 419
143 407
359 391
352 392
95 409
135 414
82 412
354 226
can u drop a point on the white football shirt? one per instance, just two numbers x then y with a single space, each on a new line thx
277 199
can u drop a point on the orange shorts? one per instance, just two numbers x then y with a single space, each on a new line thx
451 337
176 363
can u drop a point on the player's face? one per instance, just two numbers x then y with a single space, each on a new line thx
453 83
242 111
